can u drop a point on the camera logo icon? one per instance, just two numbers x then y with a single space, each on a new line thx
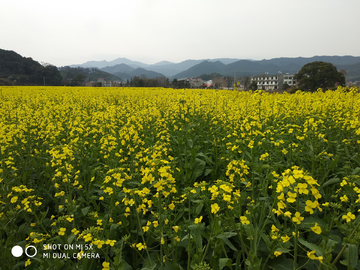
18 251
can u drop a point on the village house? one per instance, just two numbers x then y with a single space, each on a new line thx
273 82
196 83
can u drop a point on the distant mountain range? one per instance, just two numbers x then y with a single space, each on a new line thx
126 69
163 68
18 70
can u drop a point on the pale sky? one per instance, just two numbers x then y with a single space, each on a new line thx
73 32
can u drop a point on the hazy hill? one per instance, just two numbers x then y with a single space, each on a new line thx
211 76
90 74
161 63
205 67
225 60
104 63
271 66
172 69
18 70
353 71
224 66
166 68
149 74
126 72
119 68
241 67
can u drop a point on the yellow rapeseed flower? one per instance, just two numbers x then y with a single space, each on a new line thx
277 253
244 220
106 266
215 208
62 231
198 220
348 217
297 218
316 229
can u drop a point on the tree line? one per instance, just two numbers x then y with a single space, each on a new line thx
143 81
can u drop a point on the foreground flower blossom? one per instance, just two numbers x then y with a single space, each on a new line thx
348 217
298 218
215 208
316 229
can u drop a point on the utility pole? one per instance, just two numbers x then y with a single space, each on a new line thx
234 80
44 80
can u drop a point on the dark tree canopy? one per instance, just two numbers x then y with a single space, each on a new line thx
319 74
18 70
253 86
79 79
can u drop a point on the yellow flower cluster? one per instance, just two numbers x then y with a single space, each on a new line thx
148 159
293 184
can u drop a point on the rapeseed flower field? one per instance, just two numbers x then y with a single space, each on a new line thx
151 178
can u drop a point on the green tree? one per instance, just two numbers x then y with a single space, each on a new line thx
319 74
253 85
247 82
52 75
174 83
285 86
79 79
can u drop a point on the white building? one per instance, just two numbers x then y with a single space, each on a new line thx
267 82
289 79
273 82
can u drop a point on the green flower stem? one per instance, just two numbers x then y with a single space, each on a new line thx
40 222
301 267
327 238
263 227
290 159
161 230
295 245
323 179
265 264
208 243
344 247
189 244
142 235
252 178
296 234
243 246
223 248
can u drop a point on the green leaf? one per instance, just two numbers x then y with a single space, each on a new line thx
199 208
206 158
283 250
353 253
195 231
310 222
266 239
281 264
23 229
223 262
208 171
190 143
356 171
198 168
113 230
330 182
225 236
311 246
71 238
334 162
85 210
